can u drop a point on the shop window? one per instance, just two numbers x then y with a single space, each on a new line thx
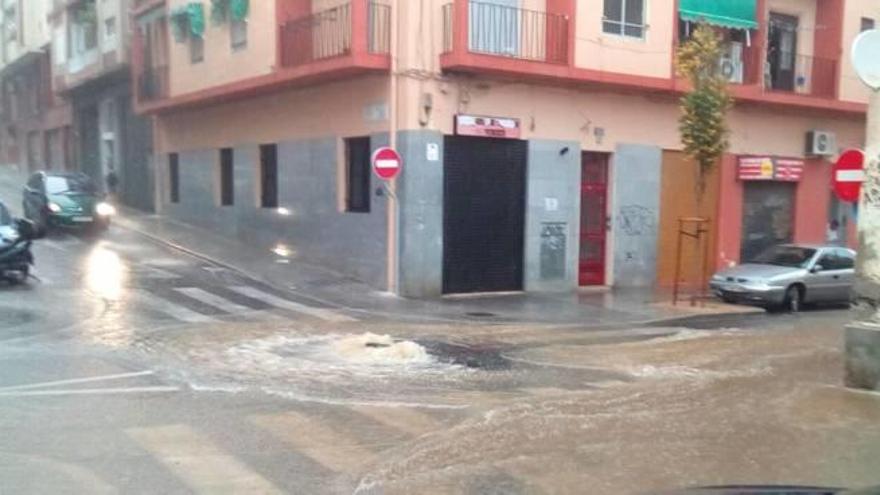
867 24
357 172
196 49
227 181
269 176
174 177
624 18
238 33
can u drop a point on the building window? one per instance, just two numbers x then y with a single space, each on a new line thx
109 31
227 180
624 18
196 49
357 171
269 176
174 177
867 24
238 33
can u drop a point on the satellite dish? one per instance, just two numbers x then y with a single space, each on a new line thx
866 58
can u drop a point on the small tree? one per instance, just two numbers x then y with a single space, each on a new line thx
703 122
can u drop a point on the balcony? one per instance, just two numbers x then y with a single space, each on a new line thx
152 84
358 29
503 31
801 74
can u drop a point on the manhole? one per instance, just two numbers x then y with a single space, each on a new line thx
481 314
479 357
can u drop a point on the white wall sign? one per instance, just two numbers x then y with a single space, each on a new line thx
551 204
432 152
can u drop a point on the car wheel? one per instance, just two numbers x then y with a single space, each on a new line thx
794 299
21 277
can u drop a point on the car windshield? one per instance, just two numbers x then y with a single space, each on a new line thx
60 184
5 217
793 256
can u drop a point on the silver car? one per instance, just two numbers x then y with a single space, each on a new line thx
788 276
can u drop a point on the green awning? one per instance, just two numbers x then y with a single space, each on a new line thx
196 13
738 14
239 9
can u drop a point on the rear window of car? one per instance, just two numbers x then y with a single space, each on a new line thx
5 217
64 184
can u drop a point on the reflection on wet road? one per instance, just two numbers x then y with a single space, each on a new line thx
133 369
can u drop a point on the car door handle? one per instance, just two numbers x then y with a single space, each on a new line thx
836 277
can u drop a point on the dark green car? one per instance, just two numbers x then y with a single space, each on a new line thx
65 199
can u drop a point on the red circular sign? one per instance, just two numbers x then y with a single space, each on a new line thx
386 163
849 172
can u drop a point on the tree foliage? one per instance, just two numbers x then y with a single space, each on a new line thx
703 121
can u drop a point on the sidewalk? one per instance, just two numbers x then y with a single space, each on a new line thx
591 308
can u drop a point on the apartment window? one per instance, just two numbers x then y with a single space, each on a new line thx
196 49
110 30
357 171
174 177
624 18
238 33
867 24
269 176
227 181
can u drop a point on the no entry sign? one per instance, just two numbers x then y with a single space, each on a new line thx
849 173
386 163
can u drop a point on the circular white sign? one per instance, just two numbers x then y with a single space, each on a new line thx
866 58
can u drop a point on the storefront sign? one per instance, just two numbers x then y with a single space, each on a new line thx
770 168
497 127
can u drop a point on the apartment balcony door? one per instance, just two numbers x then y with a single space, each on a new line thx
782 51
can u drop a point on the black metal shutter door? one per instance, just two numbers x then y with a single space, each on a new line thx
484 214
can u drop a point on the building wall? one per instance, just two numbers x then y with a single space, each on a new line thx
651 56
851 87
223 64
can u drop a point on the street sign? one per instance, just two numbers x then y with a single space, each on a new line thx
386 163
849 173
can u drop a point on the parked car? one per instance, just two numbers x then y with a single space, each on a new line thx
789 276
65 199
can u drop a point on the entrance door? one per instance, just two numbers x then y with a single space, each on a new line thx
782 51
594 214
484 189
768 216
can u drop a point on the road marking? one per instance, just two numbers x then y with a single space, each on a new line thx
74 381
156 273
199 462
90 391
321 443
176 311
273 300
400 418
214 300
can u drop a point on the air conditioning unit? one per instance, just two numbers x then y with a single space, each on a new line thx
821 143
731 64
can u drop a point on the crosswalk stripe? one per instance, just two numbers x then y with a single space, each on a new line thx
404 419
273 300
199 462
176 311
214 300
318 441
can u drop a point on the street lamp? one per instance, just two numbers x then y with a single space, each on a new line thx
863 334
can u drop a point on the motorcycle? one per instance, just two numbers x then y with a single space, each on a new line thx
15 252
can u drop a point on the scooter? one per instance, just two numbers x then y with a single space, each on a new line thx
15 255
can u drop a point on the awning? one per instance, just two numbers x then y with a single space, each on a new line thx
196 14
737 14
239 9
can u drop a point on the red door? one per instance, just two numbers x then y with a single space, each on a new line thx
594 200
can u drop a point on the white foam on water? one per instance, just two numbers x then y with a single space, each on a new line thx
380 349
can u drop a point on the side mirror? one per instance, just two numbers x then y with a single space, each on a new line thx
817 269
26 229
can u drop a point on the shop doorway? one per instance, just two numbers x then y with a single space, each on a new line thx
594 218
484 197
768 216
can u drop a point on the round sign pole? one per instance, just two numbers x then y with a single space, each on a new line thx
862 360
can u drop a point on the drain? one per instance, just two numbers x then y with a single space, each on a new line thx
478 357
481 314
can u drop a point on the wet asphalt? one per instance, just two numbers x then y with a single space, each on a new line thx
129 367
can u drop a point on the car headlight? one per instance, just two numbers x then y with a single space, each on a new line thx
105 209
717 278
54 208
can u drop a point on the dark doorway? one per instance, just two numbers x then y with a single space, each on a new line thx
594 213
768 216
484 195
782 51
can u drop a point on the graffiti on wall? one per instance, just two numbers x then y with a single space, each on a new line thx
637 220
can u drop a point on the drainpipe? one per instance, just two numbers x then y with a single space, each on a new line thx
863 335
393 203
